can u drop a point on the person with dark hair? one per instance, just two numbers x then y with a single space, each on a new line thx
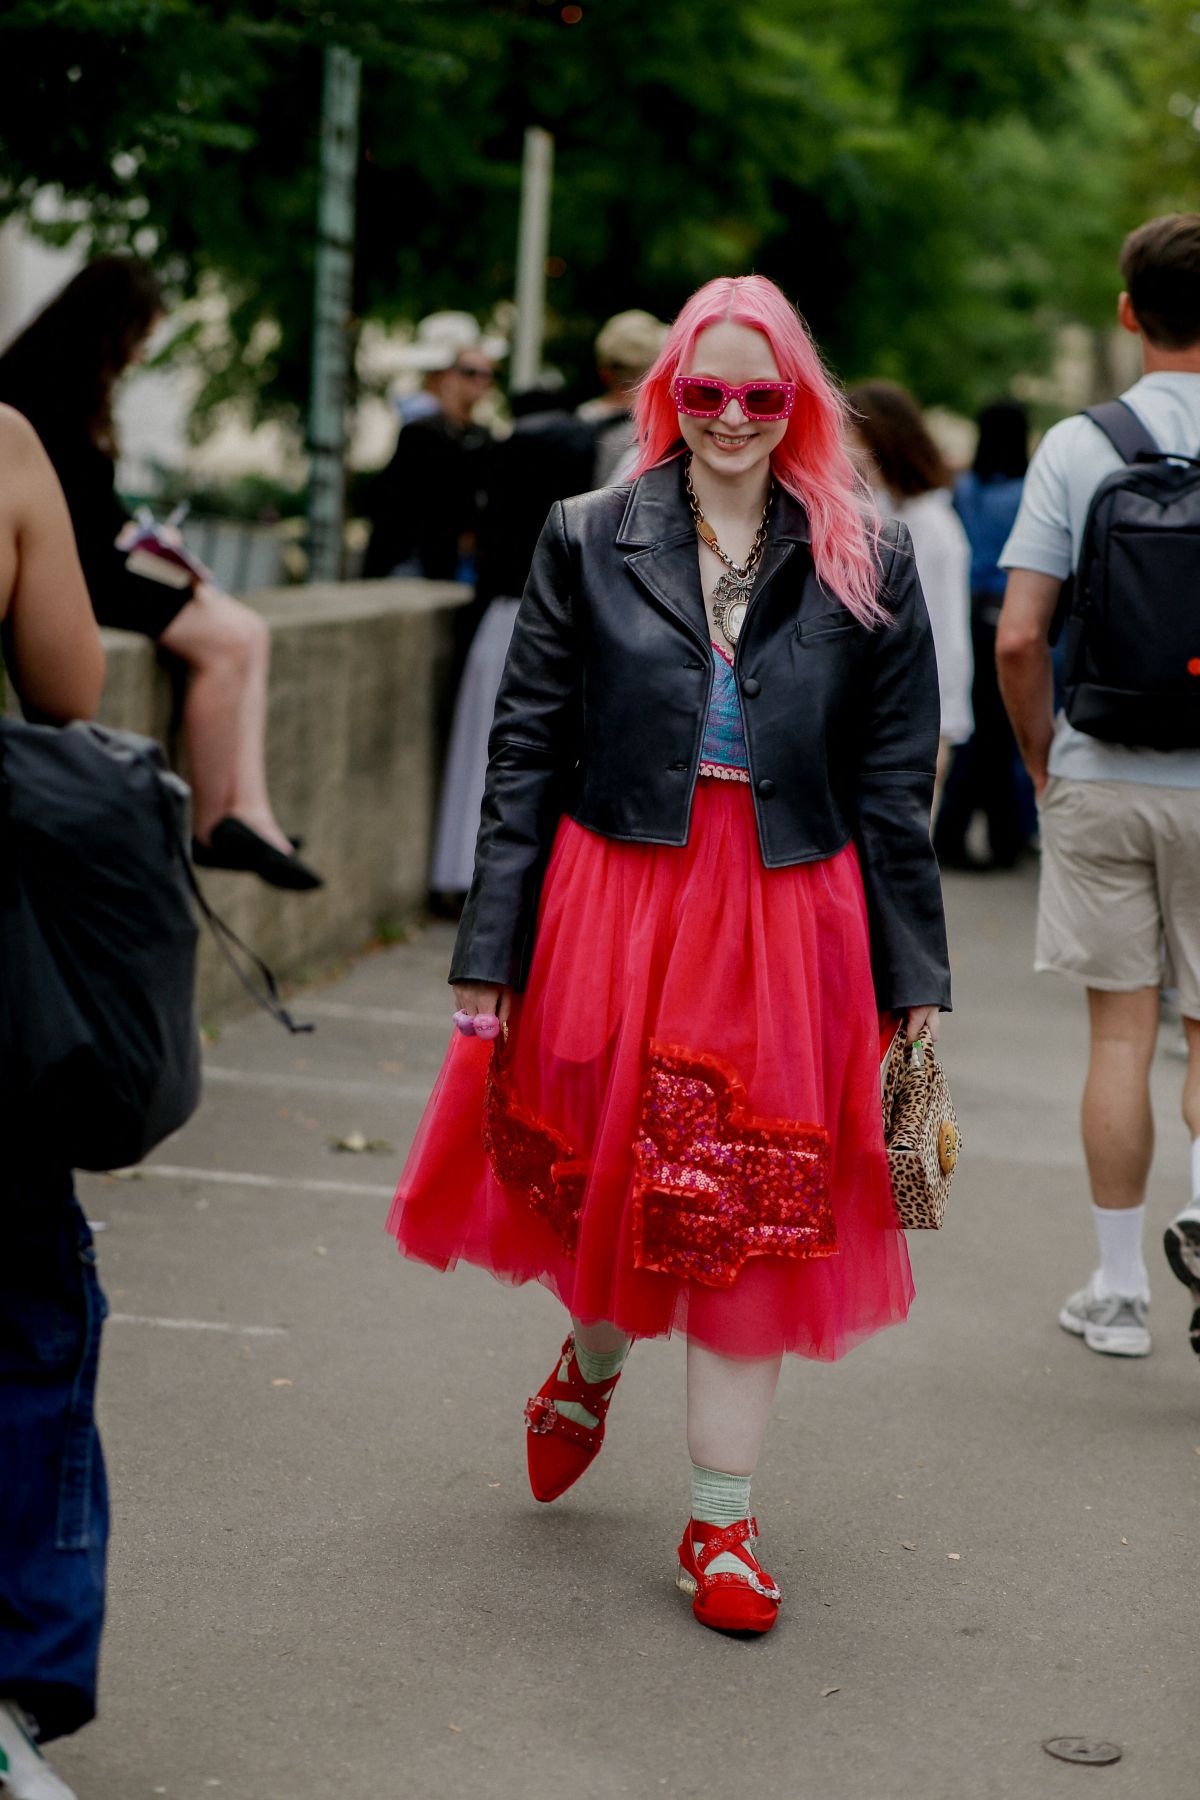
1119 896
53 1495
61 372
986 774
912 481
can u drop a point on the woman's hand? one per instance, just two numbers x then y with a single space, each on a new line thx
924 1022
483 997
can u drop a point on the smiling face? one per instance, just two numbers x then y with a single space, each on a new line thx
732 446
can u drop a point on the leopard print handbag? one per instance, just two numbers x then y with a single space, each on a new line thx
920 1130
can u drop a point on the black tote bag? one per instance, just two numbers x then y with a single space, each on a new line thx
99 1046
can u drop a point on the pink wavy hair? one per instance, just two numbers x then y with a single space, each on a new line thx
810 460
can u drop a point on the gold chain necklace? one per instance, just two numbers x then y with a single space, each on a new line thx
731 595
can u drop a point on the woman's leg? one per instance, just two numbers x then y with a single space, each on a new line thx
600 1352
728 1404
227 648
565 1419
600 1340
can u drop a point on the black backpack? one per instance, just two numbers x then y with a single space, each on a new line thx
1132 672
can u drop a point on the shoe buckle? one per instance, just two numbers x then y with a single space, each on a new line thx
541 1414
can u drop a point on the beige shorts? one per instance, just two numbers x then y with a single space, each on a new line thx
1119 899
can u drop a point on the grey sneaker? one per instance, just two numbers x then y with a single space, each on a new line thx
1114 1324
1181 1241
24 1772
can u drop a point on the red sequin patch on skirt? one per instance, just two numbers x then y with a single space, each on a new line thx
714 1184
530 1158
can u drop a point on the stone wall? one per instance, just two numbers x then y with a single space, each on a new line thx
358 680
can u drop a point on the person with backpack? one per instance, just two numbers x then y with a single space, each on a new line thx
1112 506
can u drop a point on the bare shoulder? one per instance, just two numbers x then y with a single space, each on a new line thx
21 452
17 436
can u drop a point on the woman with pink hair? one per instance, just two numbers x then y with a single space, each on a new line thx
703 870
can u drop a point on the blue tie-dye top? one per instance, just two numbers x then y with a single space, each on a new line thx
724 750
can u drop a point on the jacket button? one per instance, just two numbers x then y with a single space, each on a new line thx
677 769
766 787
751 688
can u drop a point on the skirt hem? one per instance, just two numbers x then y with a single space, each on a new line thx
675 1326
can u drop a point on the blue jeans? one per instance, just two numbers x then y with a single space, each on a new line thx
53 1492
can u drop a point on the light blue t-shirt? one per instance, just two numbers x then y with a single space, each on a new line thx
1071 461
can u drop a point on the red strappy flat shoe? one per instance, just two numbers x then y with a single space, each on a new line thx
559 1448
725 1601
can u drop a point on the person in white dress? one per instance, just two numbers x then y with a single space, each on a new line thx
912 482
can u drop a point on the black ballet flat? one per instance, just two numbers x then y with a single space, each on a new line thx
235 846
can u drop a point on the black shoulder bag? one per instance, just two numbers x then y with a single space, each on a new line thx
99 1046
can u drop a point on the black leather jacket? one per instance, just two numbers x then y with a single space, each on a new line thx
602 710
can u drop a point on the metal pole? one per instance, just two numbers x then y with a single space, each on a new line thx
533 233
331 314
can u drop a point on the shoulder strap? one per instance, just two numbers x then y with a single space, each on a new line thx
1123 429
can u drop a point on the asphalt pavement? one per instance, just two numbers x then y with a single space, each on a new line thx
328 1577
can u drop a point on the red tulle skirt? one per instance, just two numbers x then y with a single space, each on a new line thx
683 1129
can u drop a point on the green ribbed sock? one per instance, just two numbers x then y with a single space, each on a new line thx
593 1366
596 1367
719 1499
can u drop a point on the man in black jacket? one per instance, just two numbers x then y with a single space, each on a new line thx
425 504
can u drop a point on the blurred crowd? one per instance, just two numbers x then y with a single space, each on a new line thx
461 501
463 498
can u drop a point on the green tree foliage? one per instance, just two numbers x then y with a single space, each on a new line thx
1167 136
936 182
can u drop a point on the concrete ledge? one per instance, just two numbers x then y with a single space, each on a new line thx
358 677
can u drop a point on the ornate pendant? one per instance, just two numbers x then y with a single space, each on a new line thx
731 596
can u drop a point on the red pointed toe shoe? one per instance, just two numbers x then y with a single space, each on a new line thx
727 1601
559 1448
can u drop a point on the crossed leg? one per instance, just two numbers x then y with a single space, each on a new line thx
227 649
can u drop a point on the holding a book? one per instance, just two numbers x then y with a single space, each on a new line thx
60 372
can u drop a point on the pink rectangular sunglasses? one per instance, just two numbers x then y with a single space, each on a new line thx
706 397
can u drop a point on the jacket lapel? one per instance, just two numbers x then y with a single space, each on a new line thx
775 555
658 532
670 574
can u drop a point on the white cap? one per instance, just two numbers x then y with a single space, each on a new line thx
441 339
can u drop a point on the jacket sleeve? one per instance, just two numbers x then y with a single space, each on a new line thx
532 753
898 758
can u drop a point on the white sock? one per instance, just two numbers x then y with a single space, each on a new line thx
1119 1235
1195 1171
